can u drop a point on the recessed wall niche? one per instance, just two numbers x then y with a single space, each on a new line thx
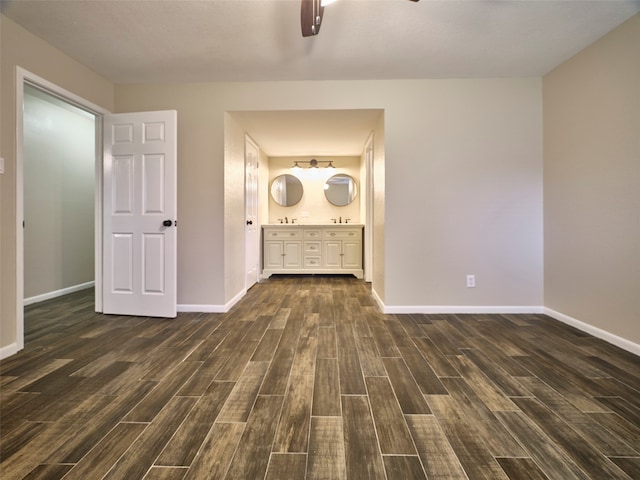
314 207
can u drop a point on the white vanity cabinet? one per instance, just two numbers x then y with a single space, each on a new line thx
312 249
312 256
282 249
342 248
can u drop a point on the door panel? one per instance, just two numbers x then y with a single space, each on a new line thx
331 254
352 254
292 254
122 271
273 254
140 174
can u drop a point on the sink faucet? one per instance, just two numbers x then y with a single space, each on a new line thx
340 219
286 220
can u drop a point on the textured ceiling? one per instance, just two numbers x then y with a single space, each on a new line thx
150 41
176 41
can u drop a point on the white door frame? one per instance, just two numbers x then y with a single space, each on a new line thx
368 231
24 76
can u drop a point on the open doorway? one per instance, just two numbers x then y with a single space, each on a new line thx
59 158
44 91
283 136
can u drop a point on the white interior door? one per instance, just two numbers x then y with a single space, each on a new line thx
252 233
140 210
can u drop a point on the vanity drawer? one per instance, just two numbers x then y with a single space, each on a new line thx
341 233
312 261
312 248
312 234
282 234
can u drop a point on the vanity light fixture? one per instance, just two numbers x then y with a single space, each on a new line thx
313 163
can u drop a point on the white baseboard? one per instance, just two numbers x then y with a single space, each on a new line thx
585 327
377 298
462 309
9 350
434 309
595 331
57 293
212 308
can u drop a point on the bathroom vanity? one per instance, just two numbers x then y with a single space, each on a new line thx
332 248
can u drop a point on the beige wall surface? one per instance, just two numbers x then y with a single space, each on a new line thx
234 210
592 184
313 206
458 184
20 48
378 267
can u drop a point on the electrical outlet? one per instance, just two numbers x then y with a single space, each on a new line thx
471 281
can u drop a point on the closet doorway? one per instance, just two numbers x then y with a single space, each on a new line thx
29 130
59 188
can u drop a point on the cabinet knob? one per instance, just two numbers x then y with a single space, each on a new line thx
332 234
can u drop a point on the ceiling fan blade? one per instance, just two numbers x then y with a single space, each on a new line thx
311 12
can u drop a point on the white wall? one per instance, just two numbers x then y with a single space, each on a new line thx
464 193
379 199
59 183
592 186
460 182
313 206
234 209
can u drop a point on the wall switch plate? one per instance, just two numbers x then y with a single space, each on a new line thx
471 281
1 165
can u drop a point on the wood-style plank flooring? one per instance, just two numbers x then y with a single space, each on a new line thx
305 379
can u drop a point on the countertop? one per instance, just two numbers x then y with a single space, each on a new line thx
311 225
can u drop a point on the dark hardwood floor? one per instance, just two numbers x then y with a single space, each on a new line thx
305 379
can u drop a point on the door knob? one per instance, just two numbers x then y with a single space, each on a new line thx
249 222
167 223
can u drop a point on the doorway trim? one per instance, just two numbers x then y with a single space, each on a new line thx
25 77
368 231
251 206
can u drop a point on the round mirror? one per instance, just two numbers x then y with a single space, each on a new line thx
341 190
286 190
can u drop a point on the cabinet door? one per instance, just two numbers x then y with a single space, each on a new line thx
273 254
351 254
292 254
332 253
